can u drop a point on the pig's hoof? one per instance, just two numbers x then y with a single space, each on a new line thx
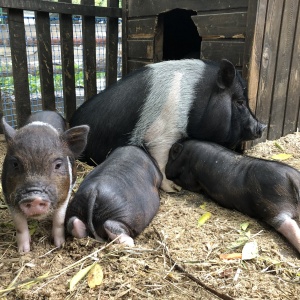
24 248
126 240
77 228
58 242
169 186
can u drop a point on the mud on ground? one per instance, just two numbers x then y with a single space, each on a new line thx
174 258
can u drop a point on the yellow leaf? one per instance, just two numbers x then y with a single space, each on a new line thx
202 206
95 276
78 276
244 226
281 156
250 250
204 218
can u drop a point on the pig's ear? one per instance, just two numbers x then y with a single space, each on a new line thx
76 138
226 74
9 132
176 150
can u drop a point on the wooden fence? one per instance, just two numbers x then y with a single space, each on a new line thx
65 10
274 82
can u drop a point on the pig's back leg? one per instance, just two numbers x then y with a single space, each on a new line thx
290 229
115 229
77 228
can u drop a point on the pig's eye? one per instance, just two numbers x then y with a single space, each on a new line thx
240 101
58 164
15 164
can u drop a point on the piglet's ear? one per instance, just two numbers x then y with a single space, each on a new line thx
176 150
76 138
9 132
226 74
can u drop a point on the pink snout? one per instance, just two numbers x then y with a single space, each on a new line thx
36 207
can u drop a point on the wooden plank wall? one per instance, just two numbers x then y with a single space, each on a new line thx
220 24
66 9
274 83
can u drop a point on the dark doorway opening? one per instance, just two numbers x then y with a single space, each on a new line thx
180 35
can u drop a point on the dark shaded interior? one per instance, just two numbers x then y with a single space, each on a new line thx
181 38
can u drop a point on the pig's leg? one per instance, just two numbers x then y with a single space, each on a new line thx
161 155
290 229
77 228
23 236
115 229
58 230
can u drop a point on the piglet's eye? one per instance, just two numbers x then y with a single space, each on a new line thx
58 164
15 165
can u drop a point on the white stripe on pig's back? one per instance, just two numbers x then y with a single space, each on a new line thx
164 115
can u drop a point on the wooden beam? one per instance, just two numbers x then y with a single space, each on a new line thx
138 8
226 25
232 50
62 7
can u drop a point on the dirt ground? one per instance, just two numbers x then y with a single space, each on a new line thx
174 258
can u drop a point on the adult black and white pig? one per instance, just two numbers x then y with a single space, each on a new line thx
263 189
119 197
161 103
39 172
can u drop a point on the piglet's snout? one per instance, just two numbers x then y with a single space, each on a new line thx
35 207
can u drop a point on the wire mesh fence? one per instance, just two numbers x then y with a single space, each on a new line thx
6 76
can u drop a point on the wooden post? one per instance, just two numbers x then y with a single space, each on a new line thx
67 61
19 64
112 46
89 53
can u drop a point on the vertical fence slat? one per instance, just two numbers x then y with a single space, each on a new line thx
249 41
89 53
1 111
257 48
19 64
293 96
286 39
42 22
268 62
67 61
124 36
112 46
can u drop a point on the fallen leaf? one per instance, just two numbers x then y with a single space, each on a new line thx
231 256
242 240
279 146
95 276
281 156
204 218
250 250
202 206
79 276
244 226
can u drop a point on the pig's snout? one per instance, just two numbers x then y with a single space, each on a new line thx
260 129
35 207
